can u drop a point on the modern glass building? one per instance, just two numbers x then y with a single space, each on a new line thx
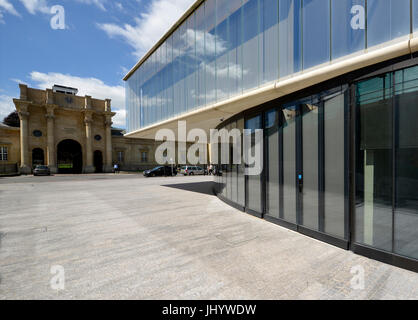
334 85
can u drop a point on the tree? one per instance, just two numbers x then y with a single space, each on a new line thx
12 120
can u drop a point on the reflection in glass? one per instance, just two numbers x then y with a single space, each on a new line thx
415 15
334 169
310 117
241 170
270 23
250 52
290 36
374 164
253 182
316 32
289 163
345 38
271 133
387 20
406 208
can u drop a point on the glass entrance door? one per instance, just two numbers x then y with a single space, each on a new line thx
301 163
313 135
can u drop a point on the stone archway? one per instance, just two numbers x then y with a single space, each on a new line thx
98 161
69 157
38 157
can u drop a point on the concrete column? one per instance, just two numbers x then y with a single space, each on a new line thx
25 167
51 156
89 168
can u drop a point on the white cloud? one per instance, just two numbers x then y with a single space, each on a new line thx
86 86
6 106
8 7
119 6
33 6
150 26
98 3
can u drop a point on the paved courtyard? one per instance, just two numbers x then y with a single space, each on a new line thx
128 237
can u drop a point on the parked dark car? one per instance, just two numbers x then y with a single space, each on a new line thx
161 171
41 171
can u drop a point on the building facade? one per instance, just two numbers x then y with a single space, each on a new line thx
333 84
70 134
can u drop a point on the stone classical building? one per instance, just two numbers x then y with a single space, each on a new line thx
70 134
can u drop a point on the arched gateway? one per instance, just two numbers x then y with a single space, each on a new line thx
69 157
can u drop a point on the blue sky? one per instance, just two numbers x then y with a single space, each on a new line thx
101 41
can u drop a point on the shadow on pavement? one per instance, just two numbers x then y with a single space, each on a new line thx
199 187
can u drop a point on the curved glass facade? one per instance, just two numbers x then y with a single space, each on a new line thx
340 163
226 47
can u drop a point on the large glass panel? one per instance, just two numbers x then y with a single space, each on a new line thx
241 169
250 51
228 168
272 170
290 37
170 90
200 55
210 50
190 63
178 89
374 163
406 212
182 57
289 163
334 169
347 37
387 20
270 28
254 181
415 15
316 32
235 48
234 167
222 48
310 154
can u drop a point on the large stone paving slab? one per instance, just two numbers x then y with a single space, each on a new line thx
127 237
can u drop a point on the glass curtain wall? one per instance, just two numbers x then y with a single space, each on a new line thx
387 163
387 20
344 38
229 46
306 163
304 181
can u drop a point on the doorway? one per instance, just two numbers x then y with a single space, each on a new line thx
38 157
69 157
98 161
313 150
